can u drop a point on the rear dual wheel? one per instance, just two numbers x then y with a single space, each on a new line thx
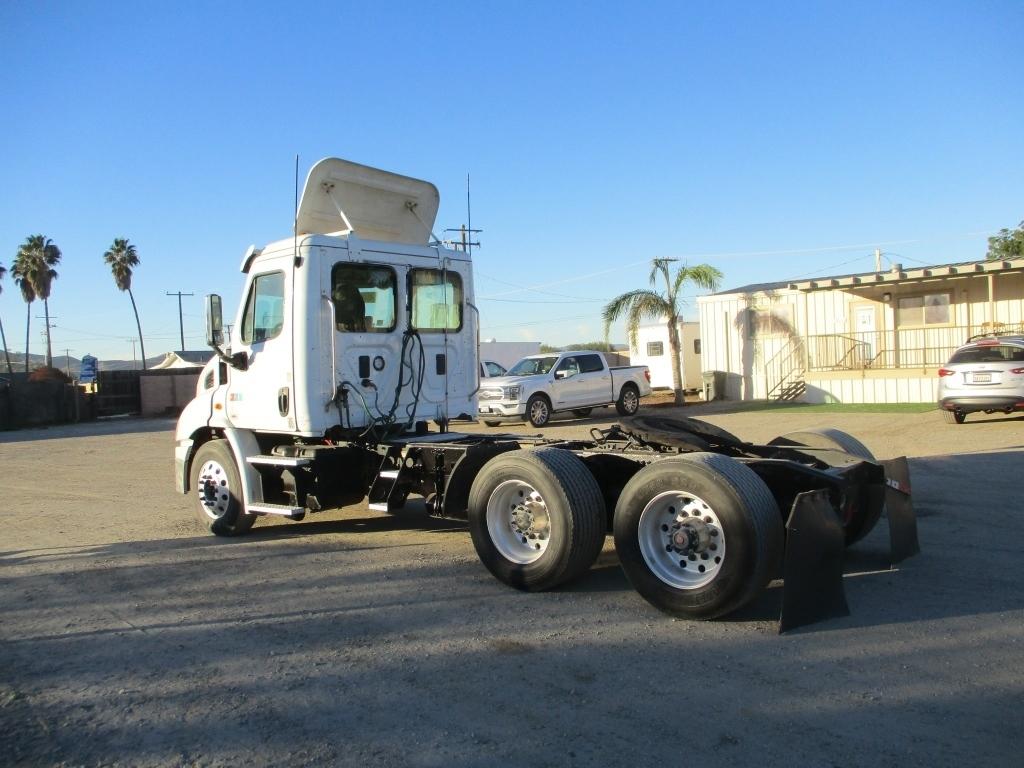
698 535
855 525
537 518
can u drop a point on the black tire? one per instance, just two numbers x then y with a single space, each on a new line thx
629 400
570 505
954 417
492 423
581 412
218 489
854 528
745 534
538 410
826 437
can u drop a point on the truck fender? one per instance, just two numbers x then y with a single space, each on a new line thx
460 479
243 443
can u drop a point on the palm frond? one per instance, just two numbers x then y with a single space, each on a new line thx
701 275
635 306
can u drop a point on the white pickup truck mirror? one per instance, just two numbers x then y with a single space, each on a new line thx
214 321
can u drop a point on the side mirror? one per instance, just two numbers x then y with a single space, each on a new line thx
214 321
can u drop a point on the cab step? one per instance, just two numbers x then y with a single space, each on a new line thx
278 461
285 510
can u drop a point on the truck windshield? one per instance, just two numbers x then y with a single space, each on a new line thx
530 366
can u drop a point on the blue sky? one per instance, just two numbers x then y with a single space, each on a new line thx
772 140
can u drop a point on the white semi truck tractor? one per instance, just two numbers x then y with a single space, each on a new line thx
354 350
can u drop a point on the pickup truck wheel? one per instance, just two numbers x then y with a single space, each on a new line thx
629 400
954 417
537 518
218 486
698 535
538 410
855 526
581 412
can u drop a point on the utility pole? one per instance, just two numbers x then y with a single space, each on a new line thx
465 242
67 361
132 340
181 322
878 259
48 325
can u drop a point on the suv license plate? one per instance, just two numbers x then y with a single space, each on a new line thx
982 378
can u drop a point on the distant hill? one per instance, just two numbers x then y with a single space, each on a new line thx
72 365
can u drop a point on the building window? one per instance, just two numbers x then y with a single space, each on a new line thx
655 348
436 300
930 309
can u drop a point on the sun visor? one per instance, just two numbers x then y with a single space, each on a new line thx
340 196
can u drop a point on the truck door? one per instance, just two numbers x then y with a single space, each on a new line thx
437 314
262 396
368 339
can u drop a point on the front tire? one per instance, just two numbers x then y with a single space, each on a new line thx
218 486
954 417
538 410
698 535
537 518
629 400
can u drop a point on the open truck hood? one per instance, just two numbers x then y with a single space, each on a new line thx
341 196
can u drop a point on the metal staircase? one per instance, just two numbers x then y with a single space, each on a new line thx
784 372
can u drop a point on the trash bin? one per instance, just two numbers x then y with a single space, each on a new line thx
714 385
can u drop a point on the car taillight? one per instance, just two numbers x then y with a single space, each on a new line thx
647 375
1017 370
945 372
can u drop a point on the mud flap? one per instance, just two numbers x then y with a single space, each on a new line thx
813 565
899 509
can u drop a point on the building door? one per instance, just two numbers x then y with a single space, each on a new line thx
864 326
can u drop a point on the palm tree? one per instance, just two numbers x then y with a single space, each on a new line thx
122 257
640 304
3 337
21 267
38 256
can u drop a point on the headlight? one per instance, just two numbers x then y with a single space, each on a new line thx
510 393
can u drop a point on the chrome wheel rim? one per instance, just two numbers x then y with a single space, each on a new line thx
539 412
518 522
630 401
681 539
214 489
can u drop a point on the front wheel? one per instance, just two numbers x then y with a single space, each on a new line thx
698 535
538 410
954 417
537 518
218 485
629 400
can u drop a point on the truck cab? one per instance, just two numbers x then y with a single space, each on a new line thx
358 323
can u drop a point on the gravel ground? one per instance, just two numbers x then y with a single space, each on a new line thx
130 637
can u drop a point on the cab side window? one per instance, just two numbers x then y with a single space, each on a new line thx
264 309
590 363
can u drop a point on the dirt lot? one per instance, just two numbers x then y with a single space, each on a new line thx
128 636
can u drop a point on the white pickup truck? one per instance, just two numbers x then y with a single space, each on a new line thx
577 381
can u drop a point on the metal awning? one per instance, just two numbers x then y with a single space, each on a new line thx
897 275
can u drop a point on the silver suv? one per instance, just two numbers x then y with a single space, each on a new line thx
985 374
